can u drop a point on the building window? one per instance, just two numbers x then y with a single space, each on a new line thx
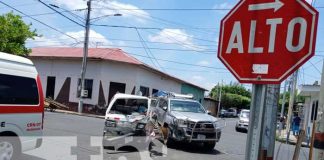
145 91
88 83
154 91
314 111
18 90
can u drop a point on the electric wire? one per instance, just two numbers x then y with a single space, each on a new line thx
37 20
48 6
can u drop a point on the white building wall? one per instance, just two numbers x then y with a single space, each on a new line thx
156 81
106 71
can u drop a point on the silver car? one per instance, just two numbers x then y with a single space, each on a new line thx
243 122
187 121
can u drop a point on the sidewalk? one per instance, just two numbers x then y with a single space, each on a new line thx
76 113
283 137
292 139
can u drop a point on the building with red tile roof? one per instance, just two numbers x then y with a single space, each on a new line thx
109 70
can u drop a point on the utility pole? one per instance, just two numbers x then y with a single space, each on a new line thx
319 133
291 103
85 55
283 107
219 97
283 100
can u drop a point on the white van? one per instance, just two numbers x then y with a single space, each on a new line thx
21 106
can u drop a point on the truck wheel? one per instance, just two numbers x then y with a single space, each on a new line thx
209 146
10 148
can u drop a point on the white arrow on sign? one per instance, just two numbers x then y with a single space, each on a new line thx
262 6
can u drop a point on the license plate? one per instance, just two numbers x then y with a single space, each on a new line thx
201 137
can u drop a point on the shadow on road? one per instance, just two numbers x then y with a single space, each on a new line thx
30 157
193 148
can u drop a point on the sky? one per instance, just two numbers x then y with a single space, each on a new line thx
182 41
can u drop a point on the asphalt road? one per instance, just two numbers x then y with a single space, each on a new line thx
71 137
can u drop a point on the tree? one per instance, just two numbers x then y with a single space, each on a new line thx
233 95
13 34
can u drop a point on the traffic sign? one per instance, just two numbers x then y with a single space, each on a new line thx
264 41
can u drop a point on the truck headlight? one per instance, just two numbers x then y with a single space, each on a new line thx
110 123
182 123
140 126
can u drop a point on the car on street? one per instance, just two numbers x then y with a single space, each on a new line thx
243 122
231 112
21 106
125 121
223 113
187 120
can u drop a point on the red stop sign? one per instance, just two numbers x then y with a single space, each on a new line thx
264 41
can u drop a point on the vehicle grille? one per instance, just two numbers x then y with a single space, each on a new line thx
202 125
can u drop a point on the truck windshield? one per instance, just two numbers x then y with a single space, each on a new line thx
186 106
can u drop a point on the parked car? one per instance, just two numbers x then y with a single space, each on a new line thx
126 118
231 112
243 122
21 106
187 120
223 113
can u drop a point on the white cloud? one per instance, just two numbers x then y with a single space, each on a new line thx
108 7
176 36
95 40
222 7
203 63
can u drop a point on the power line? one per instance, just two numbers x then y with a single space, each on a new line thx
148 28
140 37
174 9
314 64
37 20
153 18
210 52
51 13
315 67
152 48
177 62
61 13
25 4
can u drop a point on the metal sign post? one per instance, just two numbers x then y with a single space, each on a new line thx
255 125
262 125
270 120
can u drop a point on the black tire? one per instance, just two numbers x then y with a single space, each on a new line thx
237 129
209 146
11 141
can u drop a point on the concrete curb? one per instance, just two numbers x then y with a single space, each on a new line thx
79 114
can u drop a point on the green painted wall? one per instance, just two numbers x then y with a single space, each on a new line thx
198 93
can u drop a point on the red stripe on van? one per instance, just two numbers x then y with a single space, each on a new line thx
21 109
27 109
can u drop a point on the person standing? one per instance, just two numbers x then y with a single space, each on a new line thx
296 124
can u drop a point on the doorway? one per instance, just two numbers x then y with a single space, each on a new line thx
115 87
50 88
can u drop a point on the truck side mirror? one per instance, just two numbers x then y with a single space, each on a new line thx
209 112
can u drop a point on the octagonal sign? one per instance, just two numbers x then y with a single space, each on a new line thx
264 41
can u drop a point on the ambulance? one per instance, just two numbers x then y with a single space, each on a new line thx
21 106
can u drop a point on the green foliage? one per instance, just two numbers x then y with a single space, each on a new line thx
13 34
233 95
234 100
